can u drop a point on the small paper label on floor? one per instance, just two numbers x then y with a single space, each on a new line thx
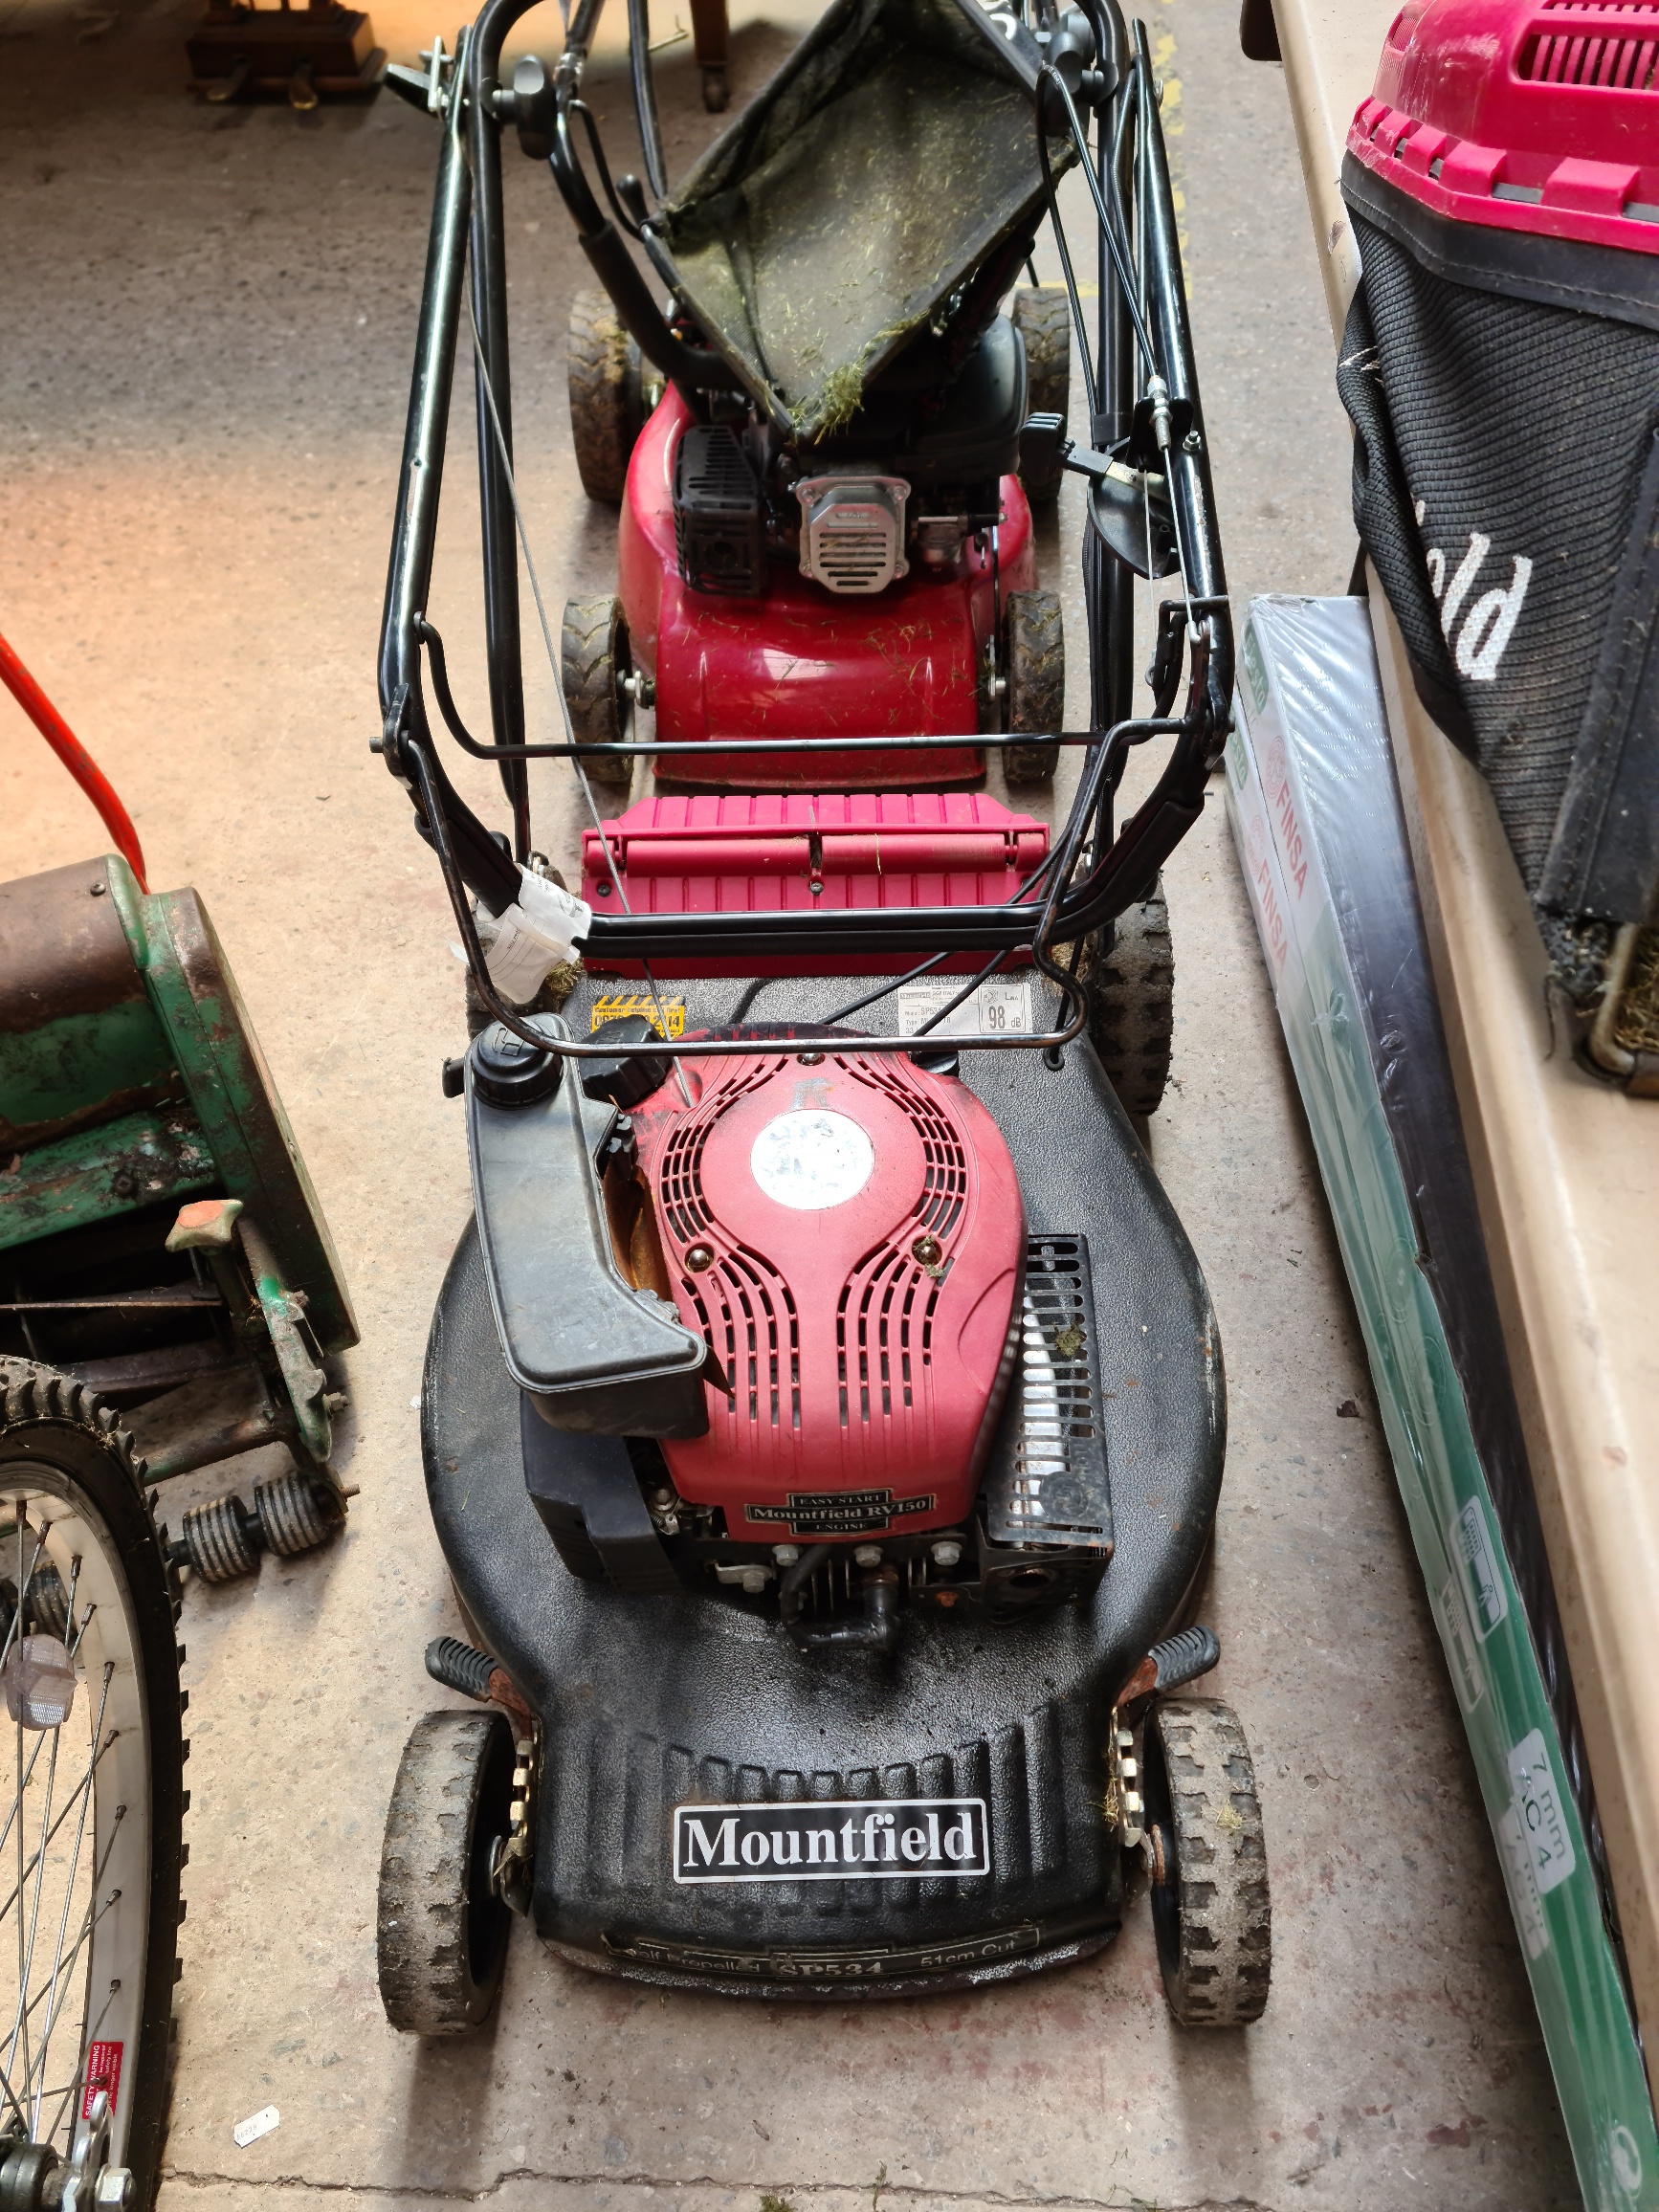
994 1010
1537 1808
1483 1578
258 2124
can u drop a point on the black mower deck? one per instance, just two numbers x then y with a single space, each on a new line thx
653 1702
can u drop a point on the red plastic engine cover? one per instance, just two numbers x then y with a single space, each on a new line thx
805 662
867 1380
1537 116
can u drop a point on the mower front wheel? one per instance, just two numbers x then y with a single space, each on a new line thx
1129 973
597 670
1207 1858
1034 672
442 1933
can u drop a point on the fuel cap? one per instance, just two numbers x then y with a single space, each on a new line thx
508 1072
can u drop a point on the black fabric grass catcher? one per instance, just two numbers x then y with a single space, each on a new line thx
1505 398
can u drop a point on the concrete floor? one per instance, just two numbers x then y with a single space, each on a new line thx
209 317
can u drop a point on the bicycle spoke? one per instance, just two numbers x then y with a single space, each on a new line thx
50 1991
68 1808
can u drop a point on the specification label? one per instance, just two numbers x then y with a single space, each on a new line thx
994 1010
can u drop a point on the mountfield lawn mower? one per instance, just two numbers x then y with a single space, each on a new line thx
823 1417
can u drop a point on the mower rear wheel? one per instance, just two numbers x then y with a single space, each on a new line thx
606 398
1034 670
596 665
1043 317
1208 1855
442 1933
1129 972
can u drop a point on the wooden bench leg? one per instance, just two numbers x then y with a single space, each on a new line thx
709 38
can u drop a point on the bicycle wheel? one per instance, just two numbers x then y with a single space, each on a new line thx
91 1800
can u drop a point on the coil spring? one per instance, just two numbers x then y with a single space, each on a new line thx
224 1539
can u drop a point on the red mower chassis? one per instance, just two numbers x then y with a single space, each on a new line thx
803 662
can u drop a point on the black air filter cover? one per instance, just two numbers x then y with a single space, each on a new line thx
718 530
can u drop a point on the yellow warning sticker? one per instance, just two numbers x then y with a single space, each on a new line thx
615 1006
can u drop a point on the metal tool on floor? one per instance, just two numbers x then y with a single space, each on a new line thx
823 1415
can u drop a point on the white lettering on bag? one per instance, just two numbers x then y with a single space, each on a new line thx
1489 623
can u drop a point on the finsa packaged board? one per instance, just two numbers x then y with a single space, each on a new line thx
1315 814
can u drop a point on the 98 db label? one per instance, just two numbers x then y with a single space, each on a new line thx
891 1839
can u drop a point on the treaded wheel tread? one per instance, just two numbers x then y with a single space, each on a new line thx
428 1983
1042 314
1034 666
596 369
31 1392
1224 1966
1132 1004
590 635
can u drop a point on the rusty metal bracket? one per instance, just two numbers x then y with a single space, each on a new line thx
214 1227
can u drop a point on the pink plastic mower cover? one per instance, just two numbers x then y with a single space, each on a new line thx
1537 116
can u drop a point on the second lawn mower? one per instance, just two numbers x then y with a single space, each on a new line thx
823 1416
824 525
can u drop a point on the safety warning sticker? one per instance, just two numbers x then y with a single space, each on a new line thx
617 1006
102 2073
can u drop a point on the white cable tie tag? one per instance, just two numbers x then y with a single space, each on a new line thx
258 2124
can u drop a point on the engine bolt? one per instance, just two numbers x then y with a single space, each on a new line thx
785 1555
927 1252
754 1581
946 1555
811 1059
699 1257
867 1555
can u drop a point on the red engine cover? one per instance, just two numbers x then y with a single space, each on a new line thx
796 1201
